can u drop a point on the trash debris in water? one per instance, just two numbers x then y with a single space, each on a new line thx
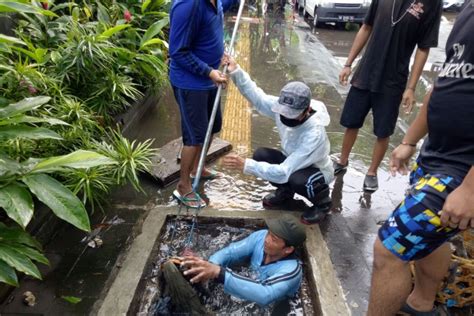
95 243
29 299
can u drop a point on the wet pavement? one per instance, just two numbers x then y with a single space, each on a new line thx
282 48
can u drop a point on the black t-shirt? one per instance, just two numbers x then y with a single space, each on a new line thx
384 66
449 147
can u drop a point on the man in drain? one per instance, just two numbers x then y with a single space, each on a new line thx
271 253
303 165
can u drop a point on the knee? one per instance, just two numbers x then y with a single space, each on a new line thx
384 259
260 154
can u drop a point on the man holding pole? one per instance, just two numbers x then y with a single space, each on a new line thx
196 48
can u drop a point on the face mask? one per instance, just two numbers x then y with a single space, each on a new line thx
291 122
294 122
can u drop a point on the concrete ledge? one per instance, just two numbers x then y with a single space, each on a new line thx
330 298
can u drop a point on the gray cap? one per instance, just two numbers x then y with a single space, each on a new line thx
295 97
288 228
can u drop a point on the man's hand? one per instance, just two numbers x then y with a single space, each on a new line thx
233 161
200 269
230 62
344 75
218 77
408 100
458 209
400 159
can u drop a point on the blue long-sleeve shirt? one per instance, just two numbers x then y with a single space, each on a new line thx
196 43
276 280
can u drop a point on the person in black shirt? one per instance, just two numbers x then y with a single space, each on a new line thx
392 29
440 202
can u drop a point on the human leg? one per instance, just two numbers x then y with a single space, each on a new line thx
380 148
193 127
284 193
350 136
429 273
208 98
311 184
413 232
390 284
385 108
353 115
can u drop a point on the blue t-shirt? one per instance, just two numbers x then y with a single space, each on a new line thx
196 43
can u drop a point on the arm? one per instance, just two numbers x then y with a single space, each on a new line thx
458 209
237 251
417 130
359 42
279 286
249 89
408 99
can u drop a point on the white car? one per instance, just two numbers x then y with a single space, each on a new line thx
338 11
452 4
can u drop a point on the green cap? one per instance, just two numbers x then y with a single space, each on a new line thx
288 228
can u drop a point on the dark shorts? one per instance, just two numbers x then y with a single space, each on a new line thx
384 107
196 108
414 229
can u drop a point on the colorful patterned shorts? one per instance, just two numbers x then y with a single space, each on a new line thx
414 229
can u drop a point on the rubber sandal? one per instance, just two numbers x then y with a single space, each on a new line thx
185 200
212 175
413 312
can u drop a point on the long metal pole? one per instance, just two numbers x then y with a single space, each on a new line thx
207 139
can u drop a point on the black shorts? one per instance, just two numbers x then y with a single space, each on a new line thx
384 107
196 108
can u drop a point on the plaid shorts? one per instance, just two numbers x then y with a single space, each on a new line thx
414 229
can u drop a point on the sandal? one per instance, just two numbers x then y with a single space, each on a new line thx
413 312
191 202
212 175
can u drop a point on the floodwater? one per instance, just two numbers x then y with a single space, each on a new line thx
282 48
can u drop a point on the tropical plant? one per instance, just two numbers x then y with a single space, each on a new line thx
92 59
20 180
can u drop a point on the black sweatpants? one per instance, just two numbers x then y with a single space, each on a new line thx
308 182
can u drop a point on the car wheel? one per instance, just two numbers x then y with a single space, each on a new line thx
316 22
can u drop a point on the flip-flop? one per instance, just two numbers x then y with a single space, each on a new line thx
212 175
413 312
185 200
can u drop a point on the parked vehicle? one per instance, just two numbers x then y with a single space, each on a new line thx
337 11
452 5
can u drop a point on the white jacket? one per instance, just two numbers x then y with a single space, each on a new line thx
304 145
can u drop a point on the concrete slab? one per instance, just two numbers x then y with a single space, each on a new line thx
321 274
166 163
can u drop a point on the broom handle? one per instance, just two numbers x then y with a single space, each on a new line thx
207 139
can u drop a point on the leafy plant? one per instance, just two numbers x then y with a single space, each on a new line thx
21 180
131 157
18 250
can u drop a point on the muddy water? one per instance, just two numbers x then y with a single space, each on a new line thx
205 239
